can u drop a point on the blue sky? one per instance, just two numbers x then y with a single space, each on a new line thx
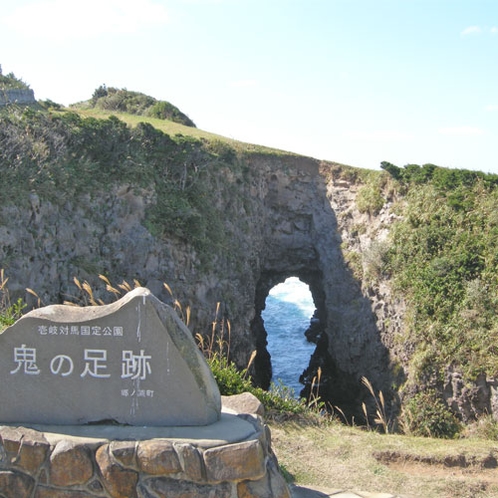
352 81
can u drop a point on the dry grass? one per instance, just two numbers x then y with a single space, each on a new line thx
4 292
340 457
380 406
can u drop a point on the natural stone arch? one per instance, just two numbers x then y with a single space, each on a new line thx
304 240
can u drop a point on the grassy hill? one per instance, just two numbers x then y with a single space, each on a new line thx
174 129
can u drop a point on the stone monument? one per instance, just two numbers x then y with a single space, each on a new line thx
131 362
117 401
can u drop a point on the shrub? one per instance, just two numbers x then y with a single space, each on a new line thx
9 312
99 92
443 260
229 378
486 427
122 100
10 81
369 199
375 259
426 414
165 110
279 400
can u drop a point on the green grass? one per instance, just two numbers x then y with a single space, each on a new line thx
171 128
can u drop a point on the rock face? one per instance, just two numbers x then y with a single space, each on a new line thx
131 362
281 215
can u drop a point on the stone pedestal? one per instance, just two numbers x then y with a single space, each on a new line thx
227 459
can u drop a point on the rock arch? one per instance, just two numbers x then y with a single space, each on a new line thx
304 240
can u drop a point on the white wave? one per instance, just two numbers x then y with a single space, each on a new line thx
296 292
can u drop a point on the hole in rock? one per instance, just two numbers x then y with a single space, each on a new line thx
289 309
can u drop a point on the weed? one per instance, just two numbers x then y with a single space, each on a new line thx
289 478
370 197
9 311
486 427
380 405
314 401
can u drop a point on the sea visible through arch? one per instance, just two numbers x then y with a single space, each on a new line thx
289 308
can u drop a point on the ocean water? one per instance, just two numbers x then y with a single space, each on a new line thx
289 308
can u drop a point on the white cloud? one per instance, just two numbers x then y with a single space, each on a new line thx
378 136
477 30
243 83
471 30
491 107
62 19
461 131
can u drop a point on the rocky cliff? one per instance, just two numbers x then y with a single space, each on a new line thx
271 216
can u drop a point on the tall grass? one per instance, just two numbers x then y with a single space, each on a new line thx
381 417
9 311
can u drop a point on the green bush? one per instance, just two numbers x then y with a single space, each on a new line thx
99 93
10 314
10 82
426 414
443 260
122 100
445 179
369 199
231 380
165 110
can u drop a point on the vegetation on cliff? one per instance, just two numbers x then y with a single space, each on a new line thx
10 81
443 259
63 155
125 101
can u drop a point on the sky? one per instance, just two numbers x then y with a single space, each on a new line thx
352 81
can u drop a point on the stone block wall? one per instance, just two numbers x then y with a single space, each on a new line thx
36 465
17 96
